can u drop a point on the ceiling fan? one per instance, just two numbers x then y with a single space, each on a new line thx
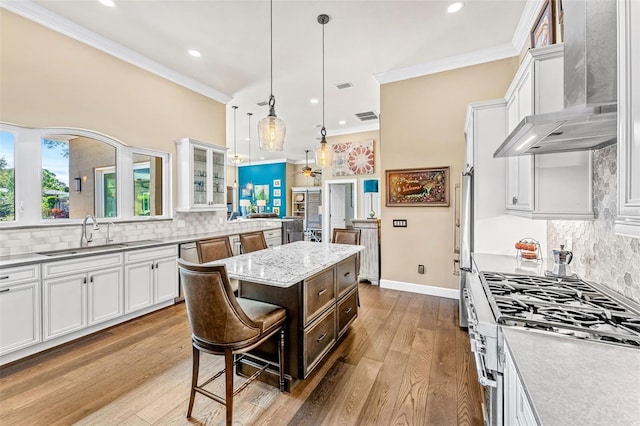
308 171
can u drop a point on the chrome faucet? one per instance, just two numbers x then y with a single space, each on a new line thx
84 236
109 239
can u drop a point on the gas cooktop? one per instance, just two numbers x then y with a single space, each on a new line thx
564 305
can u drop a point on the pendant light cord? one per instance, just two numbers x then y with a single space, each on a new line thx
323 131
271 41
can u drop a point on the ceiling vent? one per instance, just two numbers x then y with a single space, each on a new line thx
344 86
263 103
366 116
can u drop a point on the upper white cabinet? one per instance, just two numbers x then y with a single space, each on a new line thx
201 176
628 221
545 186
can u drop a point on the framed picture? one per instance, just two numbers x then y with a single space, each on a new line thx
276 202
276 183
276 210
245 193
261 192
543 31
427 187
276 193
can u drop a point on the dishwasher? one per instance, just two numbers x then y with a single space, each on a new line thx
189 253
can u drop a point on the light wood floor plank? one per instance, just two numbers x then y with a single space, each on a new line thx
403 361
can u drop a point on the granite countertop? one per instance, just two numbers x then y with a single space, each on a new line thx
22 259
572 381
288 264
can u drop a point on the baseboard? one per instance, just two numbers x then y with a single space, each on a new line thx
449 293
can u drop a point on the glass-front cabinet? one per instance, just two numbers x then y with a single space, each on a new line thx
201 176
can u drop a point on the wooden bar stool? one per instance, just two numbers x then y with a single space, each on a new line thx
252 241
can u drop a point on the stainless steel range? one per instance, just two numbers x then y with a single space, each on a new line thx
546 304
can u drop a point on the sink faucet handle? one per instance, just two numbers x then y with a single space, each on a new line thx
109 239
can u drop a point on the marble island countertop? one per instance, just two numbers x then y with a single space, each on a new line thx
288 264
575 382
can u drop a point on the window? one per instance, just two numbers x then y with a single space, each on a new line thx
81 173
7 177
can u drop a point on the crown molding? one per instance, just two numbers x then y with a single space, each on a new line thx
355 129
522 33
447 64
42 16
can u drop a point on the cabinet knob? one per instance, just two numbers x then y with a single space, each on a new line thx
91 279
514 200
346 274
152 266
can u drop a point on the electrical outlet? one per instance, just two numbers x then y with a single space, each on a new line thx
421 269
181 224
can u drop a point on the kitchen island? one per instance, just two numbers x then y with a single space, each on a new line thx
316 283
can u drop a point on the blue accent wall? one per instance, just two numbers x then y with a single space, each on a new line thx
262 175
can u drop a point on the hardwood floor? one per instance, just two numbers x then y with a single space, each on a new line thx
404 361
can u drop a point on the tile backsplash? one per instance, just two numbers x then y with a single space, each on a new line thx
37 239
599 254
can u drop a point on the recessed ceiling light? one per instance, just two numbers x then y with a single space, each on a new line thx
194 53
262 158
454 7
342 122
314 101
108 3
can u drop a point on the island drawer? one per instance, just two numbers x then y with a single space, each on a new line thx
318 339
319 293
347 275
347 310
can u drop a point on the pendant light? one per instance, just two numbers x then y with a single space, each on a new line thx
271 129
236 158
249 184
323 152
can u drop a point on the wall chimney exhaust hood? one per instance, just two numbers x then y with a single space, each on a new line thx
589 117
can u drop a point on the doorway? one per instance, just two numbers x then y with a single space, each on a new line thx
340 201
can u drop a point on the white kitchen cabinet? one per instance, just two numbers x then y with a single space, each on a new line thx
80 294
516 405
201 176
547 186
19 308
273 237
628 220
151 277
370 256
484 132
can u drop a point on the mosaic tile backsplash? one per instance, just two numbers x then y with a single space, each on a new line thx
599 254
37 239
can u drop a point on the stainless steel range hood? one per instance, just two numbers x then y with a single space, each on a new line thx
589 117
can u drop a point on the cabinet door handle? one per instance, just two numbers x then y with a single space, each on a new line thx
347 311
321 292
4 290
91 279
84 280
321 337
157 265
514 200
346 274
4 277
152 266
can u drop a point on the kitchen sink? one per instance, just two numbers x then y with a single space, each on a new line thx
94 249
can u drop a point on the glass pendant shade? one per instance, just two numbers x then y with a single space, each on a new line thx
323 154
271 133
